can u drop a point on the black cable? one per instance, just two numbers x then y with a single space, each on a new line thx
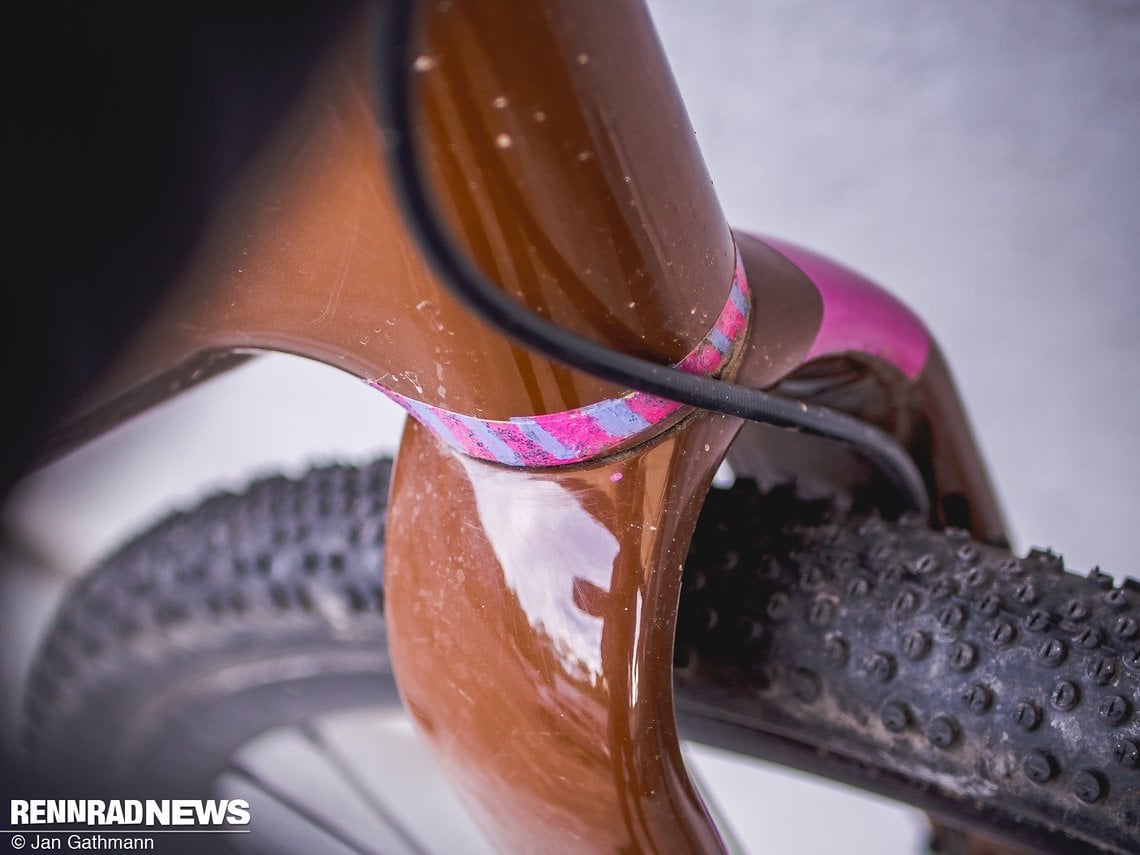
467 283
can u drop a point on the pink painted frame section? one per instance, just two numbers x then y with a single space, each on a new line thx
858 315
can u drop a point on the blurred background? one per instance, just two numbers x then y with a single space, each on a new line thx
981 160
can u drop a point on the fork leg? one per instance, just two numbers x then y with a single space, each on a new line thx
531 618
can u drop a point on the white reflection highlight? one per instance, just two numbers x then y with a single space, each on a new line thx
544 539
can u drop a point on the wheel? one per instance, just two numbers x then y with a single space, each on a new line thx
207 625
998 693
995 692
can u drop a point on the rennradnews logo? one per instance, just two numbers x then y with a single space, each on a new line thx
137 812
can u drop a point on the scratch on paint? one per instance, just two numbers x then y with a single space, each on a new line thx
341 276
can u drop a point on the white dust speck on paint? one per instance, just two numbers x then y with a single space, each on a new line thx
414 379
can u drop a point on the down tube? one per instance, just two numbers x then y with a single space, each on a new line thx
531 618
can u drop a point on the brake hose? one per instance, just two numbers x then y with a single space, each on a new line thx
467 283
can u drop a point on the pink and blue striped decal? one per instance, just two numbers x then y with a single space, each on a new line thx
573 436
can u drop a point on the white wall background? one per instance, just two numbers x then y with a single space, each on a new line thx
981 159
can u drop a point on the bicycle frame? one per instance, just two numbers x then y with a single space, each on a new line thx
533 583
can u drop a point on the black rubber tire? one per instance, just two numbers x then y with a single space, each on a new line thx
865 650
998 693
249 612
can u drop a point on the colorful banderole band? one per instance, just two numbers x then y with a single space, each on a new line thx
585 433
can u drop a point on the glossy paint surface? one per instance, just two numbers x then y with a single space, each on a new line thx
859 315
546 130
563 158
532 619
598 429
